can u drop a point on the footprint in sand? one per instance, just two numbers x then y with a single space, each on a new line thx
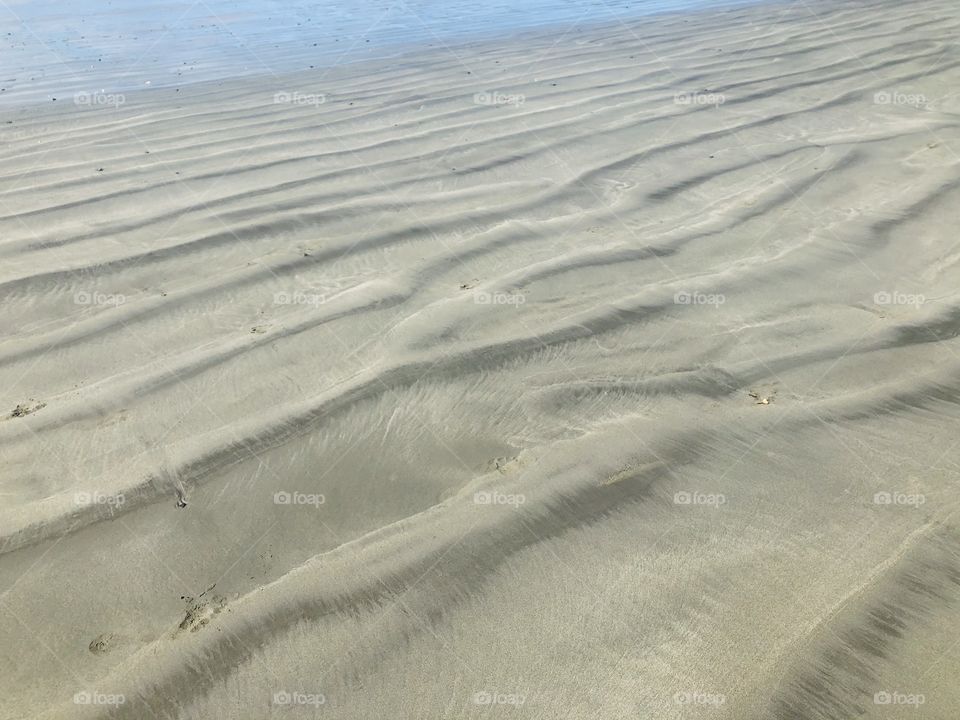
761 398
505 465
24 409
103 643
200 611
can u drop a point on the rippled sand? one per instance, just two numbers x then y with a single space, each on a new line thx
611 374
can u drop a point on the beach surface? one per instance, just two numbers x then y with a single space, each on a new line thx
584 371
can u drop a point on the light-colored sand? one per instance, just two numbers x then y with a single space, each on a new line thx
504 344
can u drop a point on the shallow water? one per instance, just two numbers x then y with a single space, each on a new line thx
53 50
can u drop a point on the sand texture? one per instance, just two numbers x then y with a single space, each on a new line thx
606 373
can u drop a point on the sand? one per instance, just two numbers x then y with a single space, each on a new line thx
601 374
